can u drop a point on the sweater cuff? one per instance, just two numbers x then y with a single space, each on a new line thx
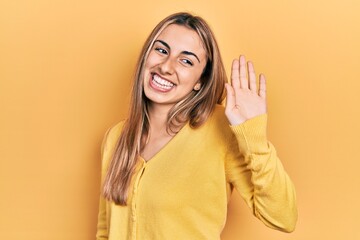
251 135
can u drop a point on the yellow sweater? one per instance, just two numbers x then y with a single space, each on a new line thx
183 191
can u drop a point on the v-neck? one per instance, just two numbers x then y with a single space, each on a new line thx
167 145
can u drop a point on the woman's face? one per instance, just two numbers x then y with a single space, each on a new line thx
174 65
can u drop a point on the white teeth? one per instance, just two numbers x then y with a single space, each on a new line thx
158 81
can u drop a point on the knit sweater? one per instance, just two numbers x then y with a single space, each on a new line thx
183 191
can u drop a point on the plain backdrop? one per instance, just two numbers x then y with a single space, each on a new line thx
65 73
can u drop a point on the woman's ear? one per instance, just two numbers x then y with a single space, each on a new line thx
197 86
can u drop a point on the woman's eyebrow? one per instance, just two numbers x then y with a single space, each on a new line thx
183 52
190 53
163 43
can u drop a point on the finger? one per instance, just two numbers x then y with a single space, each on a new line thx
243 79
262 86
230 96
235 78
252 77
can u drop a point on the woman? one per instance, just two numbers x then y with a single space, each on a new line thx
170 167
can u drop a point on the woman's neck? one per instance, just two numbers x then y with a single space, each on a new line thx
158 115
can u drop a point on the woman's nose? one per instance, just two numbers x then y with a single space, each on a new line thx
167 66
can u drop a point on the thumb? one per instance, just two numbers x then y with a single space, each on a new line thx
230 97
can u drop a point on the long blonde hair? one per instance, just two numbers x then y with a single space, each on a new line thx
195 108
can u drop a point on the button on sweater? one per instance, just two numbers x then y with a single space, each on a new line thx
182 192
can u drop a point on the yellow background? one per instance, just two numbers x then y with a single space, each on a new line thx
65 72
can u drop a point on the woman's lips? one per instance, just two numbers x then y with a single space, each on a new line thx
160 84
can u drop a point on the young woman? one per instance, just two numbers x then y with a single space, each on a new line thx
170 167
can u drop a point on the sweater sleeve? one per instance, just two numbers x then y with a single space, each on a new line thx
256 172
102 228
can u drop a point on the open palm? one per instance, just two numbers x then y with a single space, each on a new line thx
243 100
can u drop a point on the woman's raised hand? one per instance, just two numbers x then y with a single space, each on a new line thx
243 100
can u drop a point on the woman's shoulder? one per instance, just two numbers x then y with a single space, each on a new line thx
114 131
109 142
218 122
218 116
219 110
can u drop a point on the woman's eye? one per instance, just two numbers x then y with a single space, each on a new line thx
161 50
187 62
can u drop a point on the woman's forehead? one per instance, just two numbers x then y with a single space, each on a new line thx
182 38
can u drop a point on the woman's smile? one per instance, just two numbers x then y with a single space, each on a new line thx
160 84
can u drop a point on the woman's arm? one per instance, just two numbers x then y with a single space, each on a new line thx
102 228
252 165
102 231
254 169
